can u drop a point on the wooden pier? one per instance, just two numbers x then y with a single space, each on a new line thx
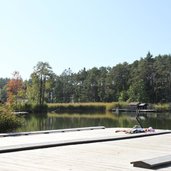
82 150
117 110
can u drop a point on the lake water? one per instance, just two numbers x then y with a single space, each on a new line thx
52 121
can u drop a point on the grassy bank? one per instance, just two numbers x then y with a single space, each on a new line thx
100 107
91 107
84 107
162 107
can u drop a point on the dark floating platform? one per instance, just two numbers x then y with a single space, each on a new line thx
153 163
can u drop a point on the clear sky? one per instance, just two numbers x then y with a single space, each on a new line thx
80 33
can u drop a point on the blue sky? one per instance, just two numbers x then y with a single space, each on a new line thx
80 33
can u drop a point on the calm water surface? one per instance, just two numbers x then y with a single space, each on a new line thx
52 121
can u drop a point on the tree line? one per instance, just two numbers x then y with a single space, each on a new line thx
145 80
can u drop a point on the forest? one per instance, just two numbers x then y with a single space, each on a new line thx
145 80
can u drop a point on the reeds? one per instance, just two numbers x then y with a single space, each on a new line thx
84 107
162 107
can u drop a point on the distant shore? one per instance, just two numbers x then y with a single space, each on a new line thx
102 107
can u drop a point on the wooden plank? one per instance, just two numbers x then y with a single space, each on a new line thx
31 146
153 163
51 131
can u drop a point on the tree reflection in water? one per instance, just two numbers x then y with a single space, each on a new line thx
53 121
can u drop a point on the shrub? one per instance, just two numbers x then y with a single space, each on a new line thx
23 107
31 108
8 121
40 108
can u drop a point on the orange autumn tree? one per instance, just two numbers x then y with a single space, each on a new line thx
15 88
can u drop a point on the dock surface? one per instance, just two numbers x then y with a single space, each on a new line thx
93 150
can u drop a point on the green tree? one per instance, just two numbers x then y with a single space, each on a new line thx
162 78
40 82
141 79
81 85
137 92
120 73
3 90
102 84
67 85
93 76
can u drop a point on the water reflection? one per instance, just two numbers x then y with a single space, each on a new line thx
53 121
